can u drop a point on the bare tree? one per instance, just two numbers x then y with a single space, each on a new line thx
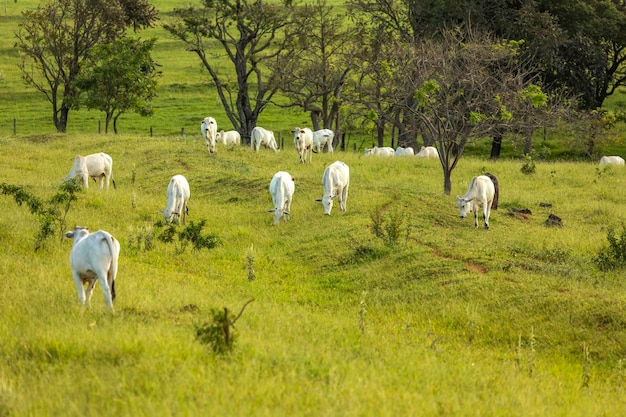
320 57
252 34
57 37
467 85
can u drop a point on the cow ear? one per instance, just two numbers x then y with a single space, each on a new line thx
69 235
272 210
318 199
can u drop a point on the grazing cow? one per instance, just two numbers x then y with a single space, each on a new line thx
384 151
282 187
177 196
481 193
98 166
303 141
209 132
408 151
336 180
428 152
323 137
260 136
611 160
94 258
231 137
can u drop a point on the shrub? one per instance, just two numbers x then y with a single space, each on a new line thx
529 165
390 228
191 234
612 256
218 333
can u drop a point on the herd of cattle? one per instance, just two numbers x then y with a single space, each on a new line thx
94 256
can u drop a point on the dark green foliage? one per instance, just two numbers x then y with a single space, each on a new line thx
218 333
612 256
191 234
51 214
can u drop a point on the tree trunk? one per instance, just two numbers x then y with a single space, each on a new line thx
61 122
447 180
496 146
528 142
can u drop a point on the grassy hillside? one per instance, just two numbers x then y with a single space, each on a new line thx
448 321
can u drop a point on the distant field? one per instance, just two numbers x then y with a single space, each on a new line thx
186 96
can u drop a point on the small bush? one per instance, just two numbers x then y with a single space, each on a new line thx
612 256
191 234
529 165
218 333
390 228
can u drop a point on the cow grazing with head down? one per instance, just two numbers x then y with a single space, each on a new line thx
408 151
98 166
282 188
611 160
303 141
481 194
428 152
94 258
336 181
208 127
260 136
231 137
321 138
177 196
382 151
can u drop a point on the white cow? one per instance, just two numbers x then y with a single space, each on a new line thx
336 180
177 196
384 151
260 136
303 141
208 127
611 160
231 137
428 152
481 193
321 138
282 188
98 166
408 151
94 257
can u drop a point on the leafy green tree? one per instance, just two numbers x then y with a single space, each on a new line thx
252 34
120 77
55 40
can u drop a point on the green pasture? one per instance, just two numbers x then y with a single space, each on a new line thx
444 319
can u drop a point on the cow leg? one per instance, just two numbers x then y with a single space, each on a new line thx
89 291
81 289
486 217
102 277
475 218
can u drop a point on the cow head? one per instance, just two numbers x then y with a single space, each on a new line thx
77 234
464 205
327 203
278 214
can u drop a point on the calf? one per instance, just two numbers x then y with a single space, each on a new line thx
260 136
282 188
428 152
336 181
94 257
321 138
177 196
231 137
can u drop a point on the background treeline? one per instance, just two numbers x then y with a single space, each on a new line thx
400 72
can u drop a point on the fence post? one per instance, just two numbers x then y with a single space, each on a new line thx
14 126
182 131
99 126
150 131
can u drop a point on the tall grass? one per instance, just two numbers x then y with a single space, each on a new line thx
450 320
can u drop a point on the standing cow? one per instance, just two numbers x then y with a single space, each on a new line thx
231 137
282 188
94 257
177 197
303 141
208 127
611 160
428 152
481 193
260 136
98 166
321 138
336 181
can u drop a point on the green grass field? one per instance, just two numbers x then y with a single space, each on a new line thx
440 319
449 321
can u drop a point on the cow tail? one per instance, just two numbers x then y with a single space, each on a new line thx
113 267
114 184
496 187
